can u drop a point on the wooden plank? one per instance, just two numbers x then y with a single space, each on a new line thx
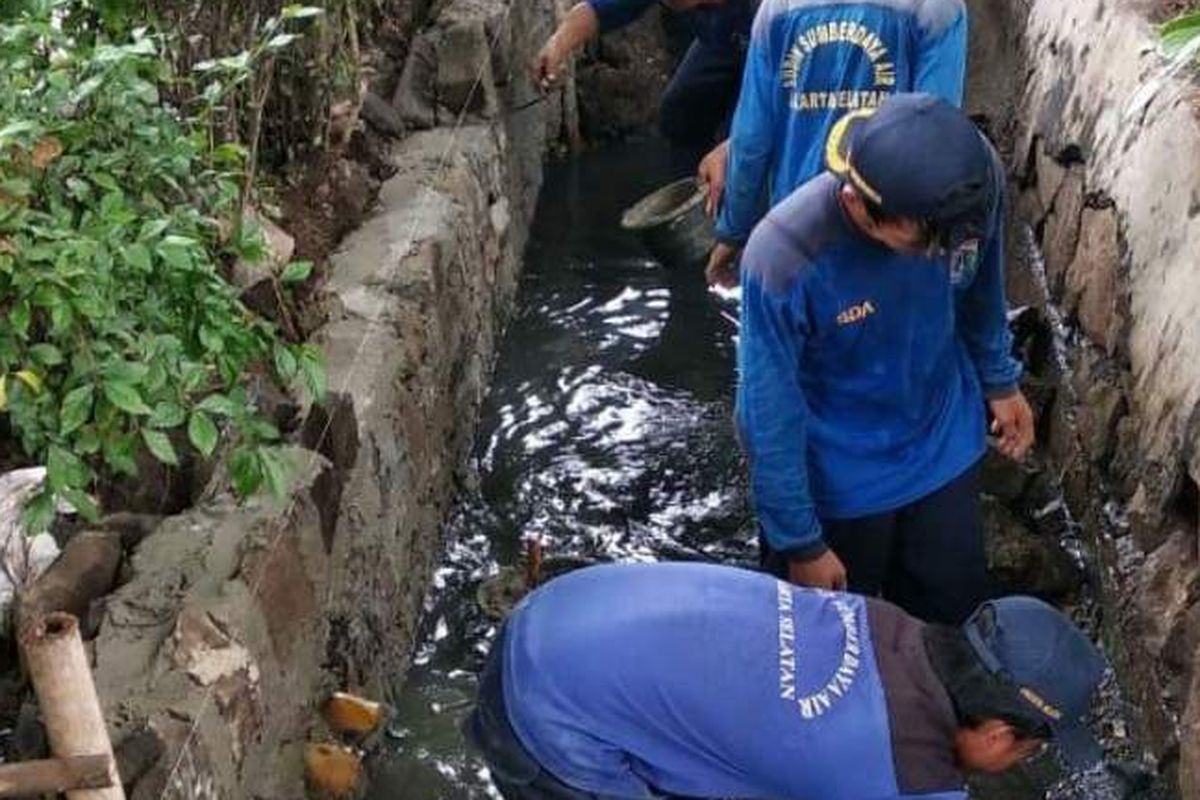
52 775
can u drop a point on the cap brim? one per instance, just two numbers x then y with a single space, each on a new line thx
1078 746
841 140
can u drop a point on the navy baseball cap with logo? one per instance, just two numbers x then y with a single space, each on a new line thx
918 156
1052 666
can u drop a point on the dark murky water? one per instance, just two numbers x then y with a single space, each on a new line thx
606 435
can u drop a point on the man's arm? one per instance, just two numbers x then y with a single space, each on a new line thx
751 141
583 22
983 326
942 60
772 413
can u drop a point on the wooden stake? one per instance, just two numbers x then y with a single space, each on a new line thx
62 681
54 775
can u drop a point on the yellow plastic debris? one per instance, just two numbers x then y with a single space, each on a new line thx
331 771
345 713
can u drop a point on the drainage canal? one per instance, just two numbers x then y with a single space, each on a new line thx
607 435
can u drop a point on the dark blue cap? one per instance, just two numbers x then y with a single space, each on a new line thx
918 156
1053 666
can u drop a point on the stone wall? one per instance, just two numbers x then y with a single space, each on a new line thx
1107 174
235 621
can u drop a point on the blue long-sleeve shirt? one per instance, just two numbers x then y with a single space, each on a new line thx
809 62
863 372
694 680
725 25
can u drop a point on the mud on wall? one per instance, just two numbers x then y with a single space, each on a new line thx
1108 176
236 621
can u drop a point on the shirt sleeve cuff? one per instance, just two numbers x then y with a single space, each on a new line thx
805 553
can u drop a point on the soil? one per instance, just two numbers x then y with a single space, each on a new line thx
1163 10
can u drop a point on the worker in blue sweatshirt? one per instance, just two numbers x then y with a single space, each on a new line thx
695 110
874 333
810 62
704 681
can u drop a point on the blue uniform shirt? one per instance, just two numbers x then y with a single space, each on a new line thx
705 681
809 62
862 372
726 25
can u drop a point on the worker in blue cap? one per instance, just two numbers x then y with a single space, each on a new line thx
874 342
810 63
696 107
705 681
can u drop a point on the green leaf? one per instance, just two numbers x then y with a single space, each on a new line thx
296 272
297 11
138 256
245 470
126 372
82 503
312 372
285 362
125 397
276 471
119 454
212 340
64 469
39 512
76 409
167 415
203 433
218 404
46 354
160 446
281 41
20 317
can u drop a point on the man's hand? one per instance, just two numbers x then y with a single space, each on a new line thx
711 174
722 266
1013 425
548 64
823 572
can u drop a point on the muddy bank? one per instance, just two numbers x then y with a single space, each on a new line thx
1107 181
233 621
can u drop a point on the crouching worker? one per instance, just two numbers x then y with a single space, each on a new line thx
691 680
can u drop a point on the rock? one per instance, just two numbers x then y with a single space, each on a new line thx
465 83
1102 407
1022 562
132 527
382 115
85 571
1062 229
280 247
1189 740
1003 478
416 99
1050 177
137 753
1166 584
1093 278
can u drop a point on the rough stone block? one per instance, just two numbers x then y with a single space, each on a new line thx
1093 279
416 93
1061 237
1050 177
382 115
1023 562
465 83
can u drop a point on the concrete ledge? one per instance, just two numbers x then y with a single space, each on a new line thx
236 621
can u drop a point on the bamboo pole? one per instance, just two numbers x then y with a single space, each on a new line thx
62 681
54 775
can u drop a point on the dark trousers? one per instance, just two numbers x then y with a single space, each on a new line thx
926 557
698 103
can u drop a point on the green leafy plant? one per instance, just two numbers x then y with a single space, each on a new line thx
118 331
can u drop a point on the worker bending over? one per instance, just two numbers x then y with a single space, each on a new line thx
702 681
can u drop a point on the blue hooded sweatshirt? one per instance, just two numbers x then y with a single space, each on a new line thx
724 26
809 62
628 681
863 372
